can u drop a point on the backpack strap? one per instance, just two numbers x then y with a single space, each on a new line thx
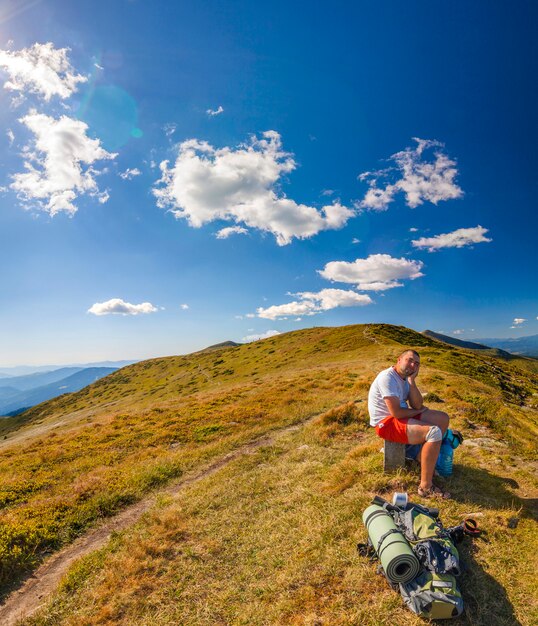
367 550
382 539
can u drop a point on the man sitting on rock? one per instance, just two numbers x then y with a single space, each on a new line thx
391 393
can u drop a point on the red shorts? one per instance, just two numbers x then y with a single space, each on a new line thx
393 429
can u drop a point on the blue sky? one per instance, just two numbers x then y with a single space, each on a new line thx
178 174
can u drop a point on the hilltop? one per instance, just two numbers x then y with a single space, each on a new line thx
222 344
269 537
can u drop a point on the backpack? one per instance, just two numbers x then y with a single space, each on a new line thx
432 545
433 593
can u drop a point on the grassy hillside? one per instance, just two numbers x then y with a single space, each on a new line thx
270 538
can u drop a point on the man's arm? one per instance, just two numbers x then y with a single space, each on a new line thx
415 397
393 405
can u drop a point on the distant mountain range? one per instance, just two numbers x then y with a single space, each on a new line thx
524 346
25 370
469 345
31 381
18 393
504 348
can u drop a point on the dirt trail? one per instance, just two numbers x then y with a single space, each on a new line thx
35 591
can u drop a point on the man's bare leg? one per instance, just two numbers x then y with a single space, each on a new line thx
439 418
417 432
428 459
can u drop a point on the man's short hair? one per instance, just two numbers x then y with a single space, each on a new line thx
406 351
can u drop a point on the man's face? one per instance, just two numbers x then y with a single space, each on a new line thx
407 364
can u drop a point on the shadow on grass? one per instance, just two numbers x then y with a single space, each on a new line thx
486 601
481 487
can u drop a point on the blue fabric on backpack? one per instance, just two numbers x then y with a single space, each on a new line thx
412 450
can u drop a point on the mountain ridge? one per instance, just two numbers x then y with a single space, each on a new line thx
523 346
16 403
28 370
527 362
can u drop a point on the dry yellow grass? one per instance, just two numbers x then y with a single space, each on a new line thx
269 539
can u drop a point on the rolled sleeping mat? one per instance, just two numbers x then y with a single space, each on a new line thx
392 548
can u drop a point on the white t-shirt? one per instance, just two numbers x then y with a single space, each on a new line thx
387 383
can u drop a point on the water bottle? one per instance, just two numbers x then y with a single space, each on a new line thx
451 441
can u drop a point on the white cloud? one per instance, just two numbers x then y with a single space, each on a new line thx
355 240
458 331
456 239
378 199
41 69
327 192
413 230
59 164
213 112
170 129
310 303
332 298
240 185
10 136
103 197
224 233
16 101
130 173
116 306
418 179
265 335
306 307
518 321
378 272
183 307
